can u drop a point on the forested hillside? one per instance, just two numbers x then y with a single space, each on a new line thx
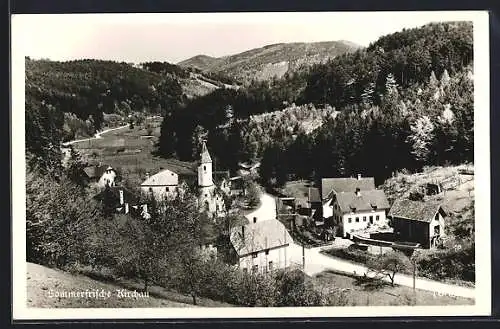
409 93
74 99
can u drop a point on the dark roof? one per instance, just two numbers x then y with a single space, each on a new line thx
422 211
128 196
345 185
366 200
313 195
259 236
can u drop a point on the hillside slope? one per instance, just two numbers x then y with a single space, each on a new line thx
271 61
43 283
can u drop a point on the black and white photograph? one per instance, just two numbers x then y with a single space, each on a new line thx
210 165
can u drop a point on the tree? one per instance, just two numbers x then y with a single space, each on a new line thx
74 168
253 194
199 135
389 264
421 138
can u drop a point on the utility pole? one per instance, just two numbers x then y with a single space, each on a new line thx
414 276
303 258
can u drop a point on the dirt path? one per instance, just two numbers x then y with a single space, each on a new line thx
96 136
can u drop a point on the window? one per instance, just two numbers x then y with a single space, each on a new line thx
205 168
267 252
371 219
245 270
270 267
349 220
357 219
254 255
377 217
364 218
167 189
151 189
206 195
255 268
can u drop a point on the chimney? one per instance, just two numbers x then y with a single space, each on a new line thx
358 191
359 176
255 220
147 175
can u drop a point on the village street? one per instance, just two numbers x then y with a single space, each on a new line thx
316 262
266 210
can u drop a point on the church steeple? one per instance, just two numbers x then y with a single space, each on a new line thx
205 167
205 156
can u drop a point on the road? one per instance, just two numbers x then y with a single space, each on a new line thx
96 136
316 262
266 210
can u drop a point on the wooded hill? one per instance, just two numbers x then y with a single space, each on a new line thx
68 100
396 88
270 61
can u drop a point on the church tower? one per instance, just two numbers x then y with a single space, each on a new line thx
205 182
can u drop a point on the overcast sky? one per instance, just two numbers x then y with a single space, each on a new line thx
175 37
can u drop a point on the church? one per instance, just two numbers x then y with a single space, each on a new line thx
211 185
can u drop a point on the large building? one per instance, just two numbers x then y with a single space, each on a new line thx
211 185
261 246
353 204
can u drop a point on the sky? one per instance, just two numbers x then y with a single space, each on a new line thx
173 37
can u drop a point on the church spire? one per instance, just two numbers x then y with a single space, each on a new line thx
205 156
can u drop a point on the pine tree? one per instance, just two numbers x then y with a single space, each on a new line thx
433 80
445 78
367 95
390 84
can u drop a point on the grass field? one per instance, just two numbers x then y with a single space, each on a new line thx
131 150
369 293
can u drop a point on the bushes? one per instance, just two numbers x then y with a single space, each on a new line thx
351 253
455 263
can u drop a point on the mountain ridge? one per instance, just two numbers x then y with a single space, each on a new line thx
273 60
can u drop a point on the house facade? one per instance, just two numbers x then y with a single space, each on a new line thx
352 204
418 221
261 247
118 198
359 210
161 185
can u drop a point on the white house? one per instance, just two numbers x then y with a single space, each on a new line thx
353 203
358 210
261 246
161 185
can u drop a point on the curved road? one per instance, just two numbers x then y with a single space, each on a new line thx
96 136
266 210
316 262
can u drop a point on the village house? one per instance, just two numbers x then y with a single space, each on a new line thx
359 210
161 185
261 246
418 221
102 175
351 204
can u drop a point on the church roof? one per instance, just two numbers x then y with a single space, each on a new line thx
205 156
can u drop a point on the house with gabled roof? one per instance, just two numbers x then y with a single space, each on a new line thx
352 204
418 221
261 246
